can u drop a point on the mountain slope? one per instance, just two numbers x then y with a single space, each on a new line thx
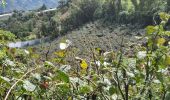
27 5
90 36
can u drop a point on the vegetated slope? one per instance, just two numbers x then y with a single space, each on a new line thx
93 35
27 5
30 25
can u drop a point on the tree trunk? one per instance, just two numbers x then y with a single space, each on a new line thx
168 5
141 5
135 4
118 7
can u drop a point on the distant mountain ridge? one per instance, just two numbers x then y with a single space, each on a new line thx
27 5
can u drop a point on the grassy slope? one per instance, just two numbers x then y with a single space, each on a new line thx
103 36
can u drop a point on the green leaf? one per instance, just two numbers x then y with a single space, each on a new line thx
160 77
4 79
47 78
48 64
2 54
160 41
164 16
130 74
62 76
36 76
156 81
167 60
28 86
167 33
167 96
112 90
130 62
150 29
85 89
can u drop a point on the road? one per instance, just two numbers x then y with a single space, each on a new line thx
21 44
10 14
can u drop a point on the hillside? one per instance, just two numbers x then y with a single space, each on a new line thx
93 35
27 5
87 50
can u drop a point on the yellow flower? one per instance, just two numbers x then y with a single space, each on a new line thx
83 64
60 53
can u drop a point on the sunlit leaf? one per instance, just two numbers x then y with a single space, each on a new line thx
47 78
167 33
36 76
70 98
48 64
5 79
28 86
85 89
65 68
26 52
164 16
167 60
36 56
2 54
150 29
156 81
161 41
130 74
141 54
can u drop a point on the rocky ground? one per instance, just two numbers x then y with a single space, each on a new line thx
94 35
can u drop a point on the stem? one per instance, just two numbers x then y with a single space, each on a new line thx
94 59
9 91
126 85
118 65
147 65
105 97
3 71
118 83
127 91
164 92
20 95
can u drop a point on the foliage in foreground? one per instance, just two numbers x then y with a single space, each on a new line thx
138 72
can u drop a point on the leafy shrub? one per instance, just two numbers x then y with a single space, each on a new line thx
77 13
6 36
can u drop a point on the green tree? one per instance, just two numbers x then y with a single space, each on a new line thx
43 7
